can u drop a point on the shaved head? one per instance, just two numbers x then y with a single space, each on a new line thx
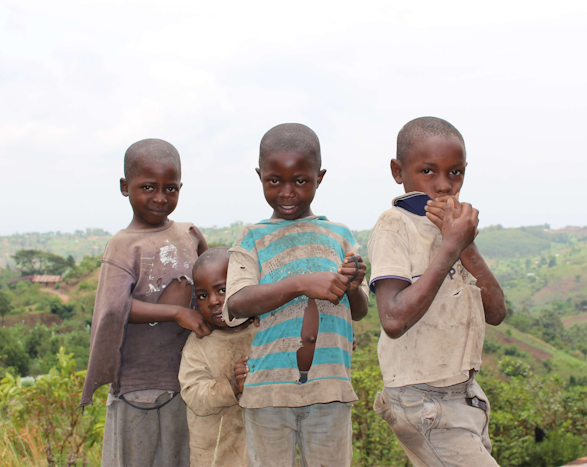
211 255
148 151
420 129
289 137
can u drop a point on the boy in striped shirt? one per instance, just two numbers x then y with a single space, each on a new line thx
298 273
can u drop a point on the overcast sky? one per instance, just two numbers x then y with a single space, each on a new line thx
82 80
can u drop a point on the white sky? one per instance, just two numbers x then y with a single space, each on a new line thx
82 80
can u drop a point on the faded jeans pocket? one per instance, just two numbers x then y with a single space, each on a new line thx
382 406
422 412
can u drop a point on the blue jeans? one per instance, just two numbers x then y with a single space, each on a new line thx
322 432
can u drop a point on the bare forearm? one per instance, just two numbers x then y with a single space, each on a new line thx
399 311
491 291
143 312
359 303
256 300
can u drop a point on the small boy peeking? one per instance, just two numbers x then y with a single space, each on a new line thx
212 371
434 294
142 316
298 273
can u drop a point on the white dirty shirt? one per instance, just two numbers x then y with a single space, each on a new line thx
447 342
268 252
215 420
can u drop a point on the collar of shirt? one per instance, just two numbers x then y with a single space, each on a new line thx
413 202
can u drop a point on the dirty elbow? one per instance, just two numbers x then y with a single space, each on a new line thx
394 330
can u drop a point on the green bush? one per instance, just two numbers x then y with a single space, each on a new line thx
51 405
12 352
373 440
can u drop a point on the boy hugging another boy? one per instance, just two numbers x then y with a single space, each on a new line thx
136 340
298 273
434 293
209 385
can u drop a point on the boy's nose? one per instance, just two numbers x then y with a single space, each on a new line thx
443 185
160 198
287 191
213 300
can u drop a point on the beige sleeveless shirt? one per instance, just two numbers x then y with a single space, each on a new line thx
447 342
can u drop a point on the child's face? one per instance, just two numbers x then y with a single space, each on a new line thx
153 193
435 166
290 180
210 290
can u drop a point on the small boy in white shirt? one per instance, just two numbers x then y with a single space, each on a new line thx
209 385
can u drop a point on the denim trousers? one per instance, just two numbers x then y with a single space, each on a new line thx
439 426
322 432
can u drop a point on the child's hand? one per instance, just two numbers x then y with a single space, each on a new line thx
349 269
459 232
192 320
324 286
241 370
435 210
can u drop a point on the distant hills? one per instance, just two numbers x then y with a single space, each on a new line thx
536 265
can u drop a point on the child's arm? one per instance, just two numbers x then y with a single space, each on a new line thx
143 312
172 306
491 291
203 393
255 300
402 305
358 300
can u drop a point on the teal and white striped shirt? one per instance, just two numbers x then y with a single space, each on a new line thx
269 252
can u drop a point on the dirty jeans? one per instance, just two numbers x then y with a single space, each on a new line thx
158 438
439 426
322 432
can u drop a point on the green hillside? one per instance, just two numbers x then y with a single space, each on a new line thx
534 370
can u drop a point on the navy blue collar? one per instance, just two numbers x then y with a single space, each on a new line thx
412 202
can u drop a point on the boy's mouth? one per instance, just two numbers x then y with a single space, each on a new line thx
287 209
217 317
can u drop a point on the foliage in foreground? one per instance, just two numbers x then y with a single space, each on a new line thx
47 411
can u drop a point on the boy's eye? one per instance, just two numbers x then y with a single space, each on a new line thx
171 189
457 172
301 182
223 290
201 296
426 171
273 181
148 188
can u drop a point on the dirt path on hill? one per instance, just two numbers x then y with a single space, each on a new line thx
31 319
570 320
504 339
56 292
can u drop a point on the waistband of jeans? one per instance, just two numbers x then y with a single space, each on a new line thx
460 388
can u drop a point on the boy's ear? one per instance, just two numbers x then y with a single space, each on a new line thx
397 171
258 173
320 177
124 187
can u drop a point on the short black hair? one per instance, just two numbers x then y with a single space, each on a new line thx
148 151
420 129
291 137
211 255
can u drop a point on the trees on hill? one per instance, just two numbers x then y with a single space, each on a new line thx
31 262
